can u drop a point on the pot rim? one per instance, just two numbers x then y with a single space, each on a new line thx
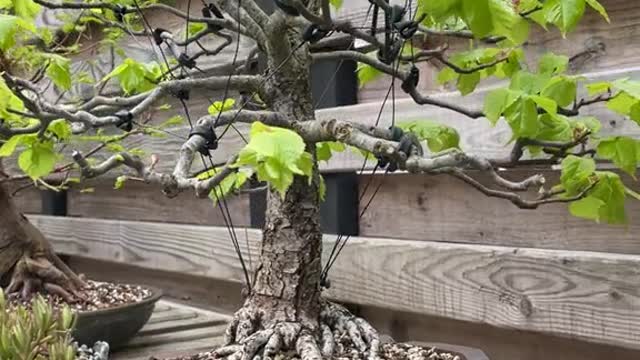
156 294
469 353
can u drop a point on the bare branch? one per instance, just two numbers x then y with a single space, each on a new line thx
171 184
460 70
515 198
376 141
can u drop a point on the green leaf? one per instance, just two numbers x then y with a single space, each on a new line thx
61 129
546 104
605 202
119 184
577 173
325 149
322 188
367 74
621 103
631 87
59 71
552 64
586 208
38 160
276 154
595 5
134 76
8 27
468 82
438 137
220 106
623 151
561 89
565 14
496 101
522 117
175 120
336 3
528 82
598 88
26 9
10 145
487 17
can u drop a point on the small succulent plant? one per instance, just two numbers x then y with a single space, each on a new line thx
38 333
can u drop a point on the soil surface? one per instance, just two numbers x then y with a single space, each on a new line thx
97 295
390 351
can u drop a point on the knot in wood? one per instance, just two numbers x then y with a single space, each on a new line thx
342 132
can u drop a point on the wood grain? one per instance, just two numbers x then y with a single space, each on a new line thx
584 295
442 208
142 202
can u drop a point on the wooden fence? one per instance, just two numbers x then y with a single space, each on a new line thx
433 260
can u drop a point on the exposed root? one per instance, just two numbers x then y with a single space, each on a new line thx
337 335
32 275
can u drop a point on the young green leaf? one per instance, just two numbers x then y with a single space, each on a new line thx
336 3
438 137
59 71
61 129
276 154
561 89
220 106
595 5
623 151
565 14
38 160
325 149
605 202
119 184
8 28
552 64
9 146
577 174
597 88
367 74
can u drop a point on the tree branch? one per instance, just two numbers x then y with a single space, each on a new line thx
171 184
454 161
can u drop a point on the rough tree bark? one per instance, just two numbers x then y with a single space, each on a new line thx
27 260
284 311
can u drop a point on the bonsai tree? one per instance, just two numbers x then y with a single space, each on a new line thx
284 311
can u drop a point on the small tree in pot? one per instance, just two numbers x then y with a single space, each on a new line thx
284 312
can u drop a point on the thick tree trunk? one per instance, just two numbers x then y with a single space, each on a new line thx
27 260
286 286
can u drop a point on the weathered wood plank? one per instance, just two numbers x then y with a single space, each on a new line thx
442 208
141 202
585 295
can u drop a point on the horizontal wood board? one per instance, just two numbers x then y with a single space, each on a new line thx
442 208
584 295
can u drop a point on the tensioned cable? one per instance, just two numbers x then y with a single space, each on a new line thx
339 245
222 205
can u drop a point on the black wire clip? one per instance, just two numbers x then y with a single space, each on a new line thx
207 132
125 120
119 12
157 35
313 33
212 9
410 83
186 61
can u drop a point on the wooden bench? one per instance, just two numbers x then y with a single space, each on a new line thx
175 329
